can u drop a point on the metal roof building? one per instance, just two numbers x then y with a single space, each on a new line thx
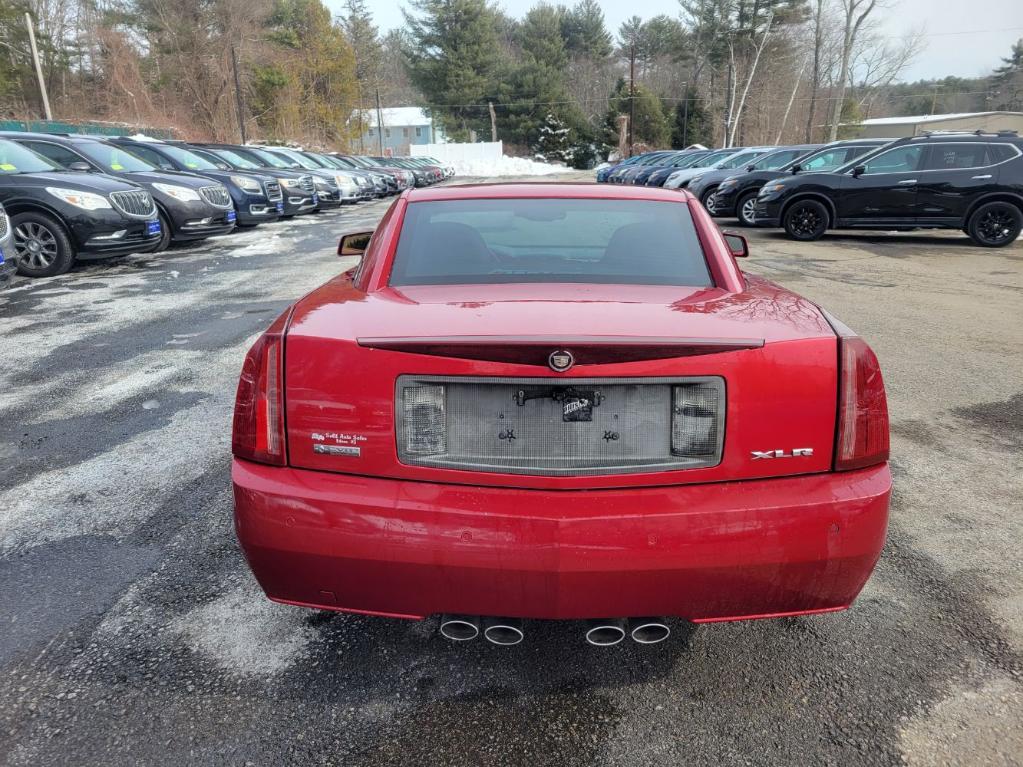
897 127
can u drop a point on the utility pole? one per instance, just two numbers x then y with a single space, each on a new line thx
39 69
685 116
632 97
380 125
729 99
238 102
493 122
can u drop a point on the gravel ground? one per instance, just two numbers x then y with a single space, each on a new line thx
131 631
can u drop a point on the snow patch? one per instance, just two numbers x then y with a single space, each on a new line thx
505 166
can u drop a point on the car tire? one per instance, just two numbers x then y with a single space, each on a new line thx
165 232
995 224
42 245
708 199
744 208
805 220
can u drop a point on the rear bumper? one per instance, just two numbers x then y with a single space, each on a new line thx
702 552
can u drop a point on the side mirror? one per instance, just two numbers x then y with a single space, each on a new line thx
223 166
80 166
796 168
737 244
354 244
859 170
750 168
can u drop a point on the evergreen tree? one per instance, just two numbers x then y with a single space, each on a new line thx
650 128
692 123
553 144
364 38
455 61
1007 81
584 31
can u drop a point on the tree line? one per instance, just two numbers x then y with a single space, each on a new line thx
555 82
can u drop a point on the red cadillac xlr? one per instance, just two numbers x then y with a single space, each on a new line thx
546 401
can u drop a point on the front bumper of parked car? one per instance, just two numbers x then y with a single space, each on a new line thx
107 233
767 212
709 552
8 267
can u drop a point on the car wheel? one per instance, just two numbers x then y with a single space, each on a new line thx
995 224
42 244
708 199
746 207
806 220
165 233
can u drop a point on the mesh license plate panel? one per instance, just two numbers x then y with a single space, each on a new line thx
556 426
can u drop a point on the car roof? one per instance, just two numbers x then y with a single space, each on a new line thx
71 138
545 190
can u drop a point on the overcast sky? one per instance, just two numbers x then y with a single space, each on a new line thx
964 37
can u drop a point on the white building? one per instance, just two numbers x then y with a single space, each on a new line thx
402 128
897 127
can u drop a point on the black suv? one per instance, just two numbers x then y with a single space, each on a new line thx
299 187
739 199
257 196
58 216
971 181
190 207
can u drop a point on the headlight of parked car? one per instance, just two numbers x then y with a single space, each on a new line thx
343 179
247 184
86 200
289 182
182 193
728 182
770 188
694 179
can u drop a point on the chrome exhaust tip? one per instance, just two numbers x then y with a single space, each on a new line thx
604 633
503 631
649 630
459 628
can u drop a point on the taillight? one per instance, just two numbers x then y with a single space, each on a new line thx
862 406
259 405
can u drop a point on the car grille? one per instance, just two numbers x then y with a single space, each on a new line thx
216 195
306 182
4 226
136 204
273 191
560 426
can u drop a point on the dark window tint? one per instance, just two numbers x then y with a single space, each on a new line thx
952 156
1001 152
153 158
60 155
549 240
903 159
776 160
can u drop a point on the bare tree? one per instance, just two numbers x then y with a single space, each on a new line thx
854 14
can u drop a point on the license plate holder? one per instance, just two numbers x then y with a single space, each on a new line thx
280 207
231 216
152 227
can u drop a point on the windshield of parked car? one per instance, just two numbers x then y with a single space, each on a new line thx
739 159
485 242
299 158
189 159
235 159
267 158
776 160
113 159
14 158
829 158
711 160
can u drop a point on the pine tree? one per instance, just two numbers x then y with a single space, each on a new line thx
554 143
455 61
362 34
584 31
651 128
692 123
1007 80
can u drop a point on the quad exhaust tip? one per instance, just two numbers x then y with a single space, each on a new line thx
605 633
503 631
649 630
459 628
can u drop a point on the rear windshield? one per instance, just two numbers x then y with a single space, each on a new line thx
487 242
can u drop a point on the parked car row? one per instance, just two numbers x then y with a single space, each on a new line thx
65 197
967 181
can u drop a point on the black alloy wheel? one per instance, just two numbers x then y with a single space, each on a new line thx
995 224
806 220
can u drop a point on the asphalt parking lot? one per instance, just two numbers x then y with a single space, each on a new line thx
131 631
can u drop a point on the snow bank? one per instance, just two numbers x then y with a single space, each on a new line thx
504 166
